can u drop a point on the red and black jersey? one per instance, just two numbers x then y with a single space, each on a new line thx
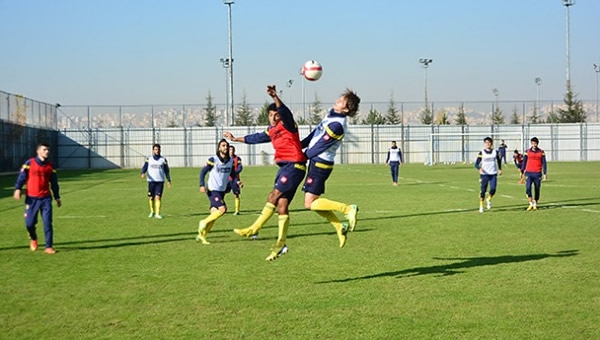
38 176
534 161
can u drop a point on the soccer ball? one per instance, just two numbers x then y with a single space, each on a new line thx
312 70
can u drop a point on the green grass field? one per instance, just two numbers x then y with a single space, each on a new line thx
423 263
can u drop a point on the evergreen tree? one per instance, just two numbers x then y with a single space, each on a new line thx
392 116
263 117
316 112
442 118
300 121
373 118
426 116
535 118
552 118
244 114
497 116
574 112
514 119
210 117
461 119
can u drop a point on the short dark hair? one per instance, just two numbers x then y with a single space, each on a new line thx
219 143
272 107
534 139
516 151
488 139
156 146
352 102
42 144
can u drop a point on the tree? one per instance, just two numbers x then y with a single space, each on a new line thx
210 117
373 118
300 121
315 112
461 119
497 116
514 119
552 118
426 116
574 112
391 116
442 118
244 114
534 118
263 116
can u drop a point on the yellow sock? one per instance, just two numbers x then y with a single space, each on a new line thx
266 213
332 218
157 206
208 227
480 203
237 204
324 204
283 225
151 203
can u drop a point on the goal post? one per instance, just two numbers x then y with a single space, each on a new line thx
459 147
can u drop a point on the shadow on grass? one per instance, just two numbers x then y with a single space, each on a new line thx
459 267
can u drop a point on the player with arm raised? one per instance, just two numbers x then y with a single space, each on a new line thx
283 135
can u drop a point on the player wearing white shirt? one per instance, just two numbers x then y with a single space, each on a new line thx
489 165
156 169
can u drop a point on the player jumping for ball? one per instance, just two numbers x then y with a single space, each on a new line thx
283 134
321 146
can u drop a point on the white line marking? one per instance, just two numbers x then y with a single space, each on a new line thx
89 216
590 210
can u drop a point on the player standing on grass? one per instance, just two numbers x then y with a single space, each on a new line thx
489 165
534 168
283 134
321 146
158 170
220 169
394 159
40 176
235 178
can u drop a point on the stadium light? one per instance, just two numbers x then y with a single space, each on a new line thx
226 64
425 64
567 4
538 83
597 70
289 84
229 3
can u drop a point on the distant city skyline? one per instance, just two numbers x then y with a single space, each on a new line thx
154 52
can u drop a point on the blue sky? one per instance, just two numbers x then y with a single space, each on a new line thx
167 52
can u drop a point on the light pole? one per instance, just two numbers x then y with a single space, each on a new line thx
226 65
567 4
303 97
289 84
229 3
538 83
597 69
425 64
495 106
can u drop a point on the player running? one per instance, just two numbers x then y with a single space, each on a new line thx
534 168
489 165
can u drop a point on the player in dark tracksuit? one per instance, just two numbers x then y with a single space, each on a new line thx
394 159
518 160
235 179
40 176
534 168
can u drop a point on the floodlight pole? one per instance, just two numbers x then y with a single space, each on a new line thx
597 70
226 66
303 97
567 4
495 92
538 83
289 84
425 64
229 3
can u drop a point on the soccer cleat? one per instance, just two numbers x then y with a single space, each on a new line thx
246 232
158 216
274 255
236 213
530 208
50 250
202 233
342 234
151 215
254 236
480 209
33 245
534 207
489 205
352 216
